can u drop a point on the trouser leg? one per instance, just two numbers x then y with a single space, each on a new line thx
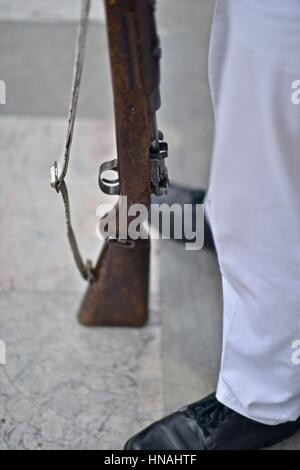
253 203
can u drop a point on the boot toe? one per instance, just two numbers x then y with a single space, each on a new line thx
175 432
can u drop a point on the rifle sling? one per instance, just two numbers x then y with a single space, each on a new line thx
59 170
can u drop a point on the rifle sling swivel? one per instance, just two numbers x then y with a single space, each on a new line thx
109 186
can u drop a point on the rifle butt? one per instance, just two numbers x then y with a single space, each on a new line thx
120 295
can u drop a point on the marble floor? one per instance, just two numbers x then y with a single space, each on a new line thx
64 386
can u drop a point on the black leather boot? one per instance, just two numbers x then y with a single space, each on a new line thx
209 425
180 195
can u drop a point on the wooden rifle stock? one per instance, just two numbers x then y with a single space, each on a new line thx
119 295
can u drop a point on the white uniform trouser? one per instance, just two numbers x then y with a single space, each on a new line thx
254 203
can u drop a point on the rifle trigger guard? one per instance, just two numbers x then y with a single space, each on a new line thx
109 186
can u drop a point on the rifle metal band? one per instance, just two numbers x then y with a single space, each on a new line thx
128 244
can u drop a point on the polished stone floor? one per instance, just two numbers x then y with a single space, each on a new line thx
65 386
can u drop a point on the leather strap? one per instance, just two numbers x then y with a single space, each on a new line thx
60 169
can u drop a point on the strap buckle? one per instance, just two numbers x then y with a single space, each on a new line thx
55 176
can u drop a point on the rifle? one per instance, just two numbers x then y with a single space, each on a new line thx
118 289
